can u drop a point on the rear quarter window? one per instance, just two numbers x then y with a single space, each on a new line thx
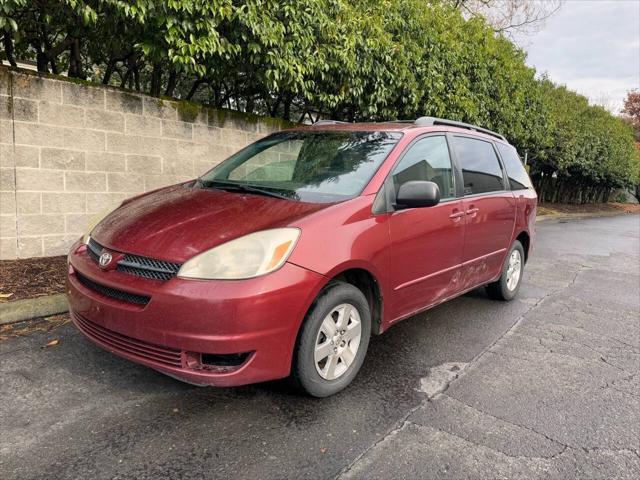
518 176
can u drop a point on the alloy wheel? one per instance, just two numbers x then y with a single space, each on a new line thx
337 341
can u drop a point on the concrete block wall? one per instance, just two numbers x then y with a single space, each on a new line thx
69 150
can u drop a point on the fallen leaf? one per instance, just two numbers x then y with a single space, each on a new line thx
52 343
6 295
323 450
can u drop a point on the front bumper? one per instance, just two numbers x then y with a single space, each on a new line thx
257 318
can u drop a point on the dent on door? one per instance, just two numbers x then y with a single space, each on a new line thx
489 228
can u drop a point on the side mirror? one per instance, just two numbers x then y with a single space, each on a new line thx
417 194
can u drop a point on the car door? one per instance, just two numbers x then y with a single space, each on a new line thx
425 243
489 208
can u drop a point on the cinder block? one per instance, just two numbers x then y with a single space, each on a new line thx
58 244
195 151
6 131
39 180
85 182
18 109
8 250
192 113
104 120
232 120
222 152
157 107
233 137
7 203
204 134
99 202
152 182
36 88
7 180
6 155
200 167
254 137
124 102
105 162
269 126
29 247
139 125
61 115
40 224
125 182
20 155
29 202
138 145
83 95
178 166
59 202
78 222
5 82
57 158
8 225
144 164
58 137
179 130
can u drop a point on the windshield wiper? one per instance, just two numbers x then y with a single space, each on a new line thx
241 187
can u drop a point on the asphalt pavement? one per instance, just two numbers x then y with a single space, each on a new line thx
546 386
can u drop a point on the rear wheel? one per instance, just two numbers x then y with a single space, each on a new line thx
333 341
507 286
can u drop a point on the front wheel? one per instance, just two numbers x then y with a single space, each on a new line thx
507 286
333 341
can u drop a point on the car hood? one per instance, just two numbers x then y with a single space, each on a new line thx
179 222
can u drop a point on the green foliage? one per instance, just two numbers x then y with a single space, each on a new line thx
351 60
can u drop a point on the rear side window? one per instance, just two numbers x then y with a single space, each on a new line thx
427 159
518 177
481 171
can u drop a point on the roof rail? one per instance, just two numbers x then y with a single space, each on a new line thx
328 122
429 121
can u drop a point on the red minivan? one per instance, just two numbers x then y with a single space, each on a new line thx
284 259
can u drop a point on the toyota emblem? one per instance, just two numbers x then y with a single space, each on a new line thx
105 259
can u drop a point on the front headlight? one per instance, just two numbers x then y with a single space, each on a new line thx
245 257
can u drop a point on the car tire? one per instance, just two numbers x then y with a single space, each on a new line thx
508 285
321 376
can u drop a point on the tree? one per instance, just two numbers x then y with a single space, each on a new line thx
631 111
511 16
353 60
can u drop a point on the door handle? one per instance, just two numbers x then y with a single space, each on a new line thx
472 211
456 216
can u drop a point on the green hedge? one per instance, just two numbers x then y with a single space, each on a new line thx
349 60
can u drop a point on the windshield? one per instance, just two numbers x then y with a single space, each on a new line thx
308 166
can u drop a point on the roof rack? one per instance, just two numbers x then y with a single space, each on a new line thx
328 122
429 121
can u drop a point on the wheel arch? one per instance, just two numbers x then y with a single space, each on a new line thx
525 239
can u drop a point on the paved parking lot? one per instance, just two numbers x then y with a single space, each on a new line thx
546 386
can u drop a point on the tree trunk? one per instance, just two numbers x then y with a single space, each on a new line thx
194 88
8 48
250 105
156 80
75 60
171 82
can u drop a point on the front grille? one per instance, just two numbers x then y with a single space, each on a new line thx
148 267
122 343
112 292
137 265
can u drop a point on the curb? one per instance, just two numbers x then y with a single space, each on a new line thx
579 216
28 308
